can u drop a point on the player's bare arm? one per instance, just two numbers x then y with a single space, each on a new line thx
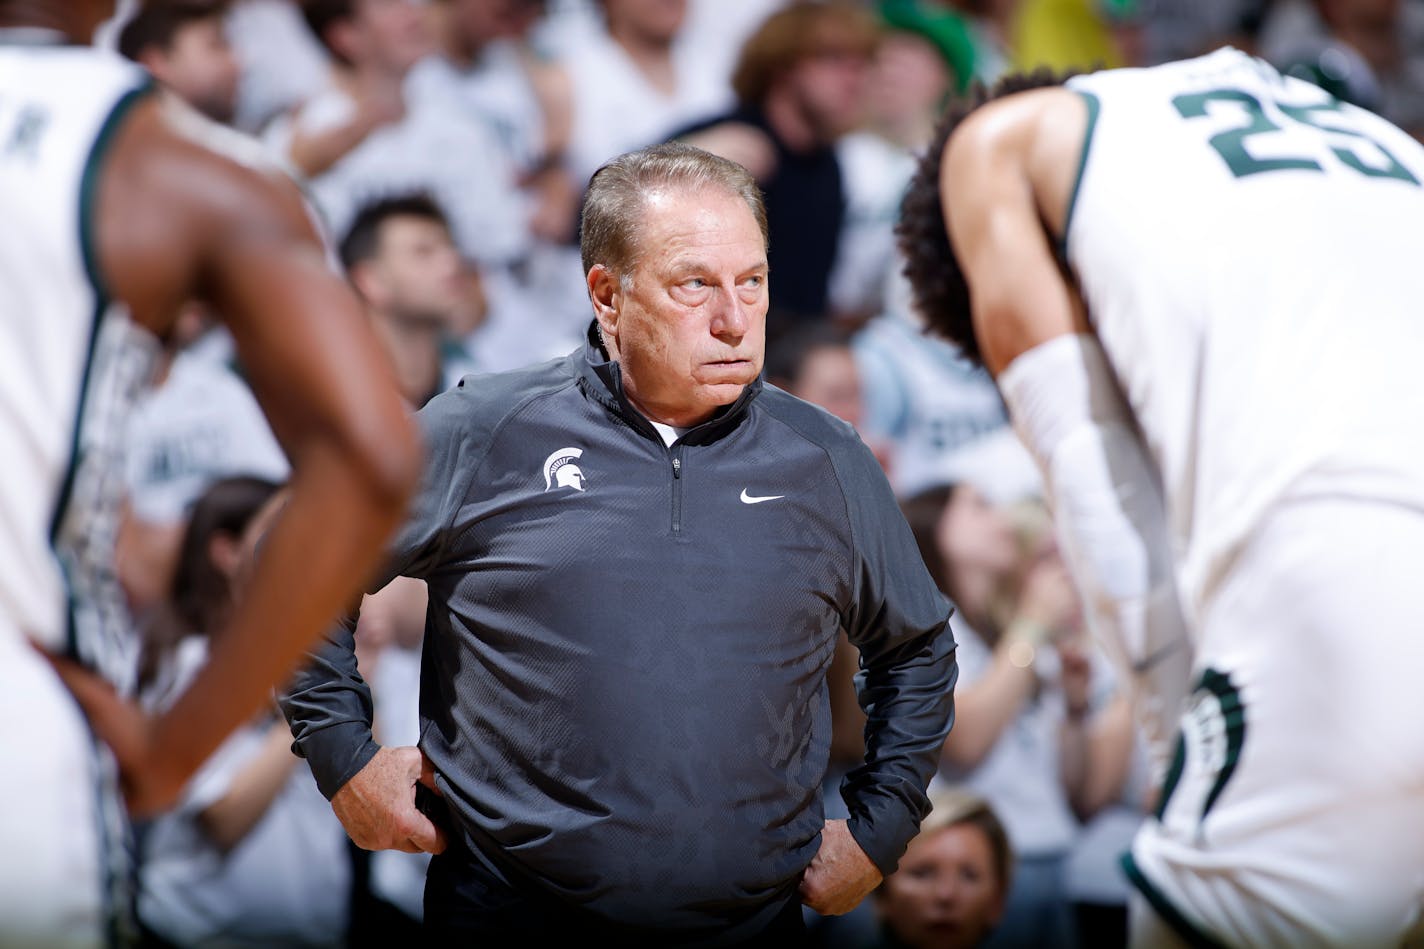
175 220
1008 171
1007 181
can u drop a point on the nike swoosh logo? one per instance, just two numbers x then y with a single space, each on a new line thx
753 499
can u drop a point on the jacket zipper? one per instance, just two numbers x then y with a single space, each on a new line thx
677 489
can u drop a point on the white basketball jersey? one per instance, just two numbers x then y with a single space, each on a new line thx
68 363
1249 251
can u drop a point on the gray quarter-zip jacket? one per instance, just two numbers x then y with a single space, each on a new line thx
623 685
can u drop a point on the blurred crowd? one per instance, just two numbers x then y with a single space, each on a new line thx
443 146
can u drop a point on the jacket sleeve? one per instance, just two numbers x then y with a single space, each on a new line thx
899 620
327 704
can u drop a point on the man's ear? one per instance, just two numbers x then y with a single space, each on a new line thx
155 60
606 293
367 283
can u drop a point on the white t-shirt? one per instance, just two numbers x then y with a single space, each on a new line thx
286 883
1020 776
432 149
942 416
617 110
282 63
496 91
201 425
874 174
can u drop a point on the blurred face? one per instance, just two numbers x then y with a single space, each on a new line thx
417 272
945 894
908 78
830 87
650 20
250 541
483 21
829 378
974 534
391 35
201 68
689 327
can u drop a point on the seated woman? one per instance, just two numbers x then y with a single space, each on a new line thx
251 855
951 887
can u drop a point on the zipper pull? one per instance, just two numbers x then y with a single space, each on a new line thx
676 467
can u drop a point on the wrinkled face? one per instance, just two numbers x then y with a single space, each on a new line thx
417 271
973 533
201 68
945 894
688 325
829 378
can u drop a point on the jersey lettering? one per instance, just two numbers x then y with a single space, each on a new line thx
1265 117
21 128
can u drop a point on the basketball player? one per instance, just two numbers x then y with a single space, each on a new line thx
1197 288
111 220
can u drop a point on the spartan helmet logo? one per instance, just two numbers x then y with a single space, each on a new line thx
561 472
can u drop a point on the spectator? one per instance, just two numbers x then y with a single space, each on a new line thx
184 44
1020 632
251 855
689 806
364 139
488 68
953 882
1366 52
941 415
914 70
282 63
402 261
634 82
800 85
198 422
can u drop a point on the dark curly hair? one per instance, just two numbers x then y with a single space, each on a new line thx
941 293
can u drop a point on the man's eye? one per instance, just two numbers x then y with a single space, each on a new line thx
695 283
754 281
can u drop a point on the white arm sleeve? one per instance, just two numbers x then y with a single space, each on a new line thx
1110 520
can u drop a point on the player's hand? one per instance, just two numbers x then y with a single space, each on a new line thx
148 788
377 806
840 875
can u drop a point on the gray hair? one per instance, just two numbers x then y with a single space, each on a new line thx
618 193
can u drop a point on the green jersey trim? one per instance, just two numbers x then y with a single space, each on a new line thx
1192 934
88 188
1094 107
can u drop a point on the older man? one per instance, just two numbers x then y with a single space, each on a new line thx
624 699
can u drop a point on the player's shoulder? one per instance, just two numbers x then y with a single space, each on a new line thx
202 181
1012 122
89 67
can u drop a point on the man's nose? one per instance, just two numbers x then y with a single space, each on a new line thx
730 319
